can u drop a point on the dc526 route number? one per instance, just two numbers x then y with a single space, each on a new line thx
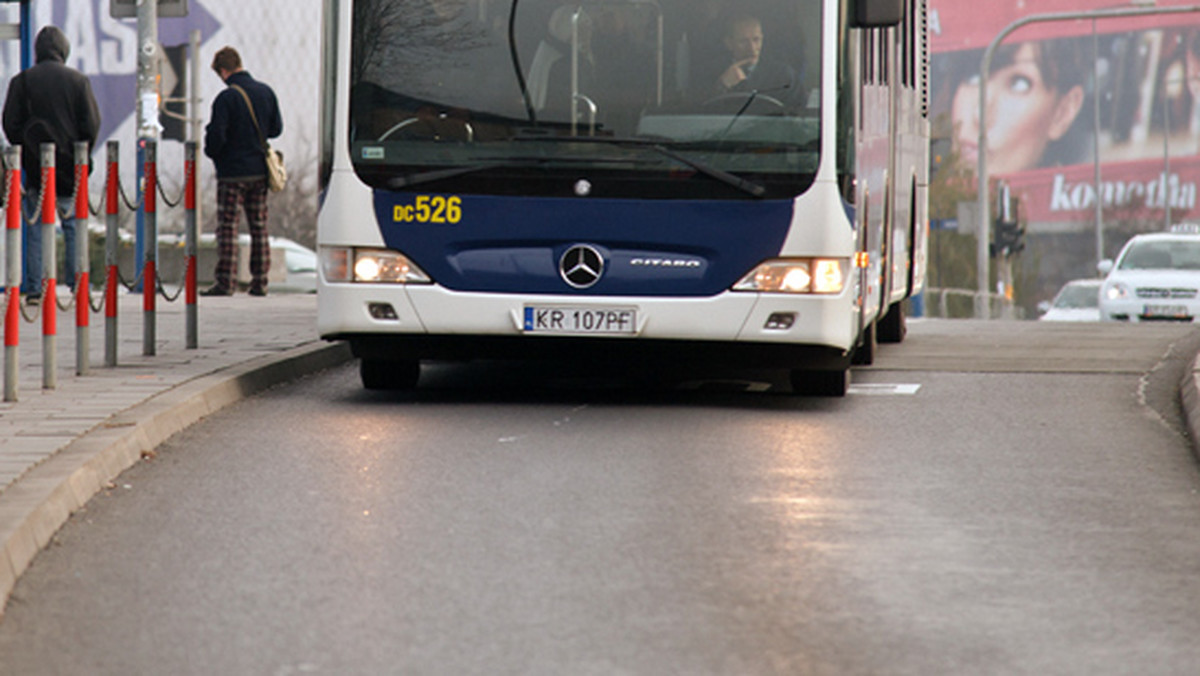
429 209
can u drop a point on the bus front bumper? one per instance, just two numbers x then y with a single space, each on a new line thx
431 322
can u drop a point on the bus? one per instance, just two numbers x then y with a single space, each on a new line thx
742 183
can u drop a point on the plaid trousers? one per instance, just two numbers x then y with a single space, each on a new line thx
252 197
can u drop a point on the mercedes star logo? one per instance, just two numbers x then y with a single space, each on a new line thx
581 266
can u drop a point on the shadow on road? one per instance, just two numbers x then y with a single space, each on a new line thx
524 382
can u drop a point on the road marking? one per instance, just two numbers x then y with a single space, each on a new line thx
884 389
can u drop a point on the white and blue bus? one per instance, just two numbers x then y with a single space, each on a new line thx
741 182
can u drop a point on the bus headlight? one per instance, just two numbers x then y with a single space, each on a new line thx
1117 291
370 266
800 275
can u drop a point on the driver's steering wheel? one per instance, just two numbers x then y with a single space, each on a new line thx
733 102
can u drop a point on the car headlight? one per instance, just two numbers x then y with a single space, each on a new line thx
1116 291
799 275
370 266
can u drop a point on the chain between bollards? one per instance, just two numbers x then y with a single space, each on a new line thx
45 220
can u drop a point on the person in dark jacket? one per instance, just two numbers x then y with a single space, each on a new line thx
744 70
49 103
232 139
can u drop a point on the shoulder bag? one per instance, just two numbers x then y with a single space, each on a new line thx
276 172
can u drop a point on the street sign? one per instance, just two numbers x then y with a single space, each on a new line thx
968 217
167 9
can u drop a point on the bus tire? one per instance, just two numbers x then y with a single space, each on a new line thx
864 352
389 374
821 383
894 325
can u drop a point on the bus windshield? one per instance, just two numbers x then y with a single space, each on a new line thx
662 98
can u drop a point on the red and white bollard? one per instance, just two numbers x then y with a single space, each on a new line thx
83 296
192 236
150 237
112 243
49 270
12 232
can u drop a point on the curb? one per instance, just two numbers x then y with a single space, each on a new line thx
36 505
1189 400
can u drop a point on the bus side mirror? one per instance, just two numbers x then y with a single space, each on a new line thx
1105 266
878 13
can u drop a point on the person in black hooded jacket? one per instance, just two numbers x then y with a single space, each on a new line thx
232 139
49 103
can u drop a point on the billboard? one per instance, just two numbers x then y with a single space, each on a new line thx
1063 94
278 40
124 9
103 48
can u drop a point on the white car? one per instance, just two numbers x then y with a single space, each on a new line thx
1077 301
300 262
1156 277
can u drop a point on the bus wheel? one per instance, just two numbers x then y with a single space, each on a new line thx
894 325
864 352
832 383
389 374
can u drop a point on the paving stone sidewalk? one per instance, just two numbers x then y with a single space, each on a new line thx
59 446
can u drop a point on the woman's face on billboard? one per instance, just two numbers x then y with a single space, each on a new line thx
1024 114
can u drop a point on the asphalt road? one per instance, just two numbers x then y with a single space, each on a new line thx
995 498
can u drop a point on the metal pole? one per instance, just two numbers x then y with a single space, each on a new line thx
1166 187
575 69
149 275
1005 272
982 230
83 292
1096 145
27 36
49 270
147 69
984 70
112 243
194 112
194 86
12 311
147 100
191 236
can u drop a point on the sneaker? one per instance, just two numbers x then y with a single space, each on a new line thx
257 291
31 299
216 290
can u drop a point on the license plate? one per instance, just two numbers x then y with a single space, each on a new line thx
1174 311
569 319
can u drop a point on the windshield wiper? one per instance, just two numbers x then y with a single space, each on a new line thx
435 175
749 187
439 174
